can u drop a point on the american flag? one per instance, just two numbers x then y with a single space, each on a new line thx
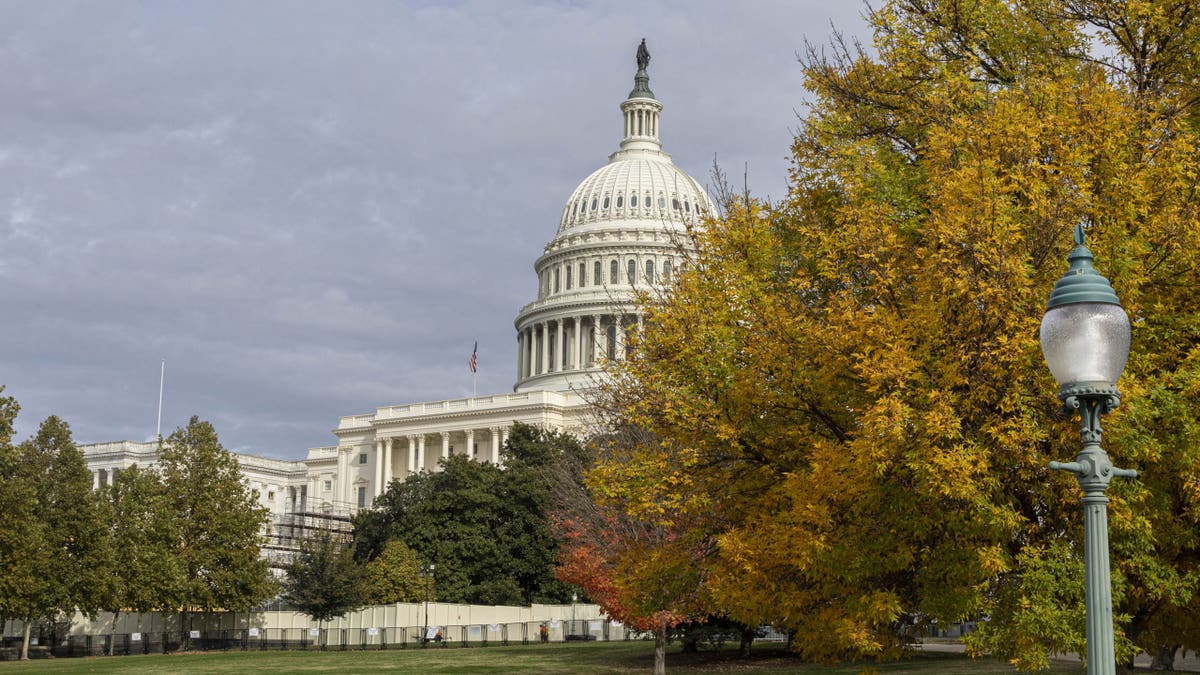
474 352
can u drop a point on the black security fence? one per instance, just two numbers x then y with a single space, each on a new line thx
46 643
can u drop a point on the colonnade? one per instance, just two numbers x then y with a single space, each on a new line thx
570 343
387 461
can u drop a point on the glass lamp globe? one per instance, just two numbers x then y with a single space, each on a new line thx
1086 343
1085 333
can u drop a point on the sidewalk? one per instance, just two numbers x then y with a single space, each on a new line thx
1184 663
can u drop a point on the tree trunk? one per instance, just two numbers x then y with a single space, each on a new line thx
1165 658
747 641
112 633
660 650
25 641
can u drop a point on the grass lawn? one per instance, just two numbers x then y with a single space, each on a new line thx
620 657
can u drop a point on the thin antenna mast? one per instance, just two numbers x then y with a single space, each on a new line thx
161 374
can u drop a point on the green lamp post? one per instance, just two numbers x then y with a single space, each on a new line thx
1085 340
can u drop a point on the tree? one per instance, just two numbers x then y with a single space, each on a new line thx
323 580
218 522
394 576
629 549
852 377
61 555
19 531
484 527
148 572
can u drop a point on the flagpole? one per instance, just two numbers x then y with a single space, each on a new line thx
162 373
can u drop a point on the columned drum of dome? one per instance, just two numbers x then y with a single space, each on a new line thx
622 231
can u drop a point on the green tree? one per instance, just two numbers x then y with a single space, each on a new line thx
147 572
323 580
218 522
394 576
852 377
19 531
62 558
484 527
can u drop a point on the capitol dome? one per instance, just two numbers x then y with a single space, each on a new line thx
623 230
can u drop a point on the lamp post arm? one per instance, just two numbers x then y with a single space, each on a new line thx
1073 467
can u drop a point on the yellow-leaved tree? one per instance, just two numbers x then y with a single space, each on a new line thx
851 378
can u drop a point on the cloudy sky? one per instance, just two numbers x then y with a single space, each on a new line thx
312 209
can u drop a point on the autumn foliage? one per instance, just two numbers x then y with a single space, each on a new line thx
847 421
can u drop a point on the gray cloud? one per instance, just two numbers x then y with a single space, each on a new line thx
313 209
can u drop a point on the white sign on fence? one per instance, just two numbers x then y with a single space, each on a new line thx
474 632
554 623
595 625
431 632
33 641
253 632
494 627
195 635
135 637
314 632
372 631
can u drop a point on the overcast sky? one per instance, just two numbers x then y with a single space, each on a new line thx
313 209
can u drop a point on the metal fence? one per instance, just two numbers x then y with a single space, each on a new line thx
325 639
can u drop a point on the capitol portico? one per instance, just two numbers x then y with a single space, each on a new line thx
624 230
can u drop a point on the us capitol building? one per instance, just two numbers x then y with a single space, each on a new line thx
622 231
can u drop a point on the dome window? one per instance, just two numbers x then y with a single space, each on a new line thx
568 277
596 278
582 275
687 207
662 202
633 200
606 201
593 203
666 271
646 202
649 271
619 200
612 272
631 271
556 279
674 203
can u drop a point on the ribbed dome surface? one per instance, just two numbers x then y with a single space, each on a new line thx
634 188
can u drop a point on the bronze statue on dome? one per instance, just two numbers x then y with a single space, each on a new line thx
643 55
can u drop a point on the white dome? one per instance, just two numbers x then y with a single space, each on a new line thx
623 232
634 188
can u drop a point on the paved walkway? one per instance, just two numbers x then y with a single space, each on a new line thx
1187 663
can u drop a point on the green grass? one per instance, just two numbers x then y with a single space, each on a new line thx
621 657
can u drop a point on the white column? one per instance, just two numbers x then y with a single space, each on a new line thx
520 355
596 340
577 351
378 468
545 360
387 463
421 452
470 443
96 480
412 455
445 445
503 439
620 350
495 445
343 477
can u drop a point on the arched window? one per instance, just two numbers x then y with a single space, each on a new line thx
612 343
674 203
593 203
568 277
633 200
596 278
646 201
649 271
555 279
619 200
582 275
662 202
631 271
687 206
666 271
606 201
612 272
